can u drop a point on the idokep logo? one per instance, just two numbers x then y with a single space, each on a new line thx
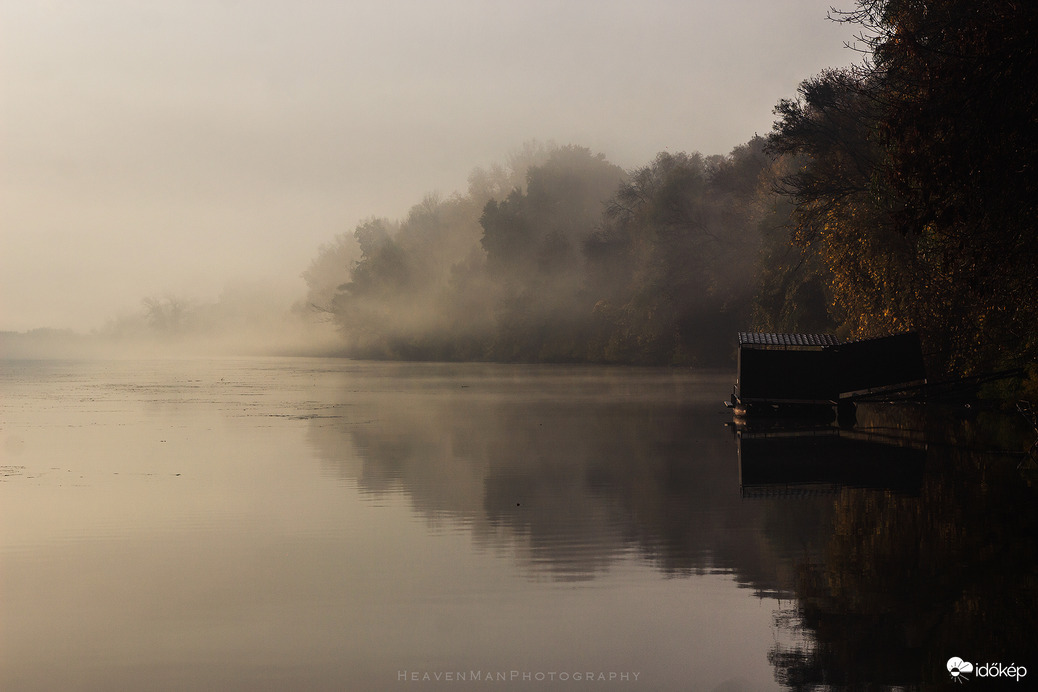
960 670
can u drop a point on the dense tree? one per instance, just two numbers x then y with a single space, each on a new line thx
672 266
533 242
916 182
417 288
578 262
959 116
843 209
793 283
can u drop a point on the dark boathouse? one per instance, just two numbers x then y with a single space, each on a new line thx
794 371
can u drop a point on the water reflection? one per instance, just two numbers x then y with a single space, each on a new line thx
907 580
574 473
797 461
322 515
900 541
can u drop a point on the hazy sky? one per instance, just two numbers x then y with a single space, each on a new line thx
152 147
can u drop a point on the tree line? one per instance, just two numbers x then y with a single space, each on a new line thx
561 257
894 194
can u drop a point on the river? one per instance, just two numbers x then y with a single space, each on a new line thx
325 524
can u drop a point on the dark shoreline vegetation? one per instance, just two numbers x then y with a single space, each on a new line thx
896 194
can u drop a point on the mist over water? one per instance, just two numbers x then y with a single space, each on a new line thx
248 319
559 256
170 149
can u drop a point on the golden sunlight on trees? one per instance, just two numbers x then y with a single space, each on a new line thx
916 184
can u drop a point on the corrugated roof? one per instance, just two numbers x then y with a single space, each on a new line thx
787 340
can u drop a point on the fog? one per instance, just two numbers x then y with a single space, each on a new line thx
181 151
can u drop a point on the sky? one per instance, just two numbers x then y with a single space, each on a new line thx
185 147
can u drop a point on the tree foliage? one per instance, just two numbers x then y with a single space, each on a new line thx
672 265
894 194
579 262
916 183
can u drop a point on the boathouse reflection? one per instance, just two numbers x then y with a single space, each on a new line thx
776 461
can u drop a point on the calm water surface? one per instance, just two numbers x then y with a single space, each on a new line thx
326 524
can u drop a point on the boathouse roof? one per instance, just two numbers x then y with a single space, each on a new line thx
764 339
818 368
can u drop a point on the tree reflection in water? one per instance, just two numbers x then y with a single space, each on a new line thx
890 572
906 582
573 470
